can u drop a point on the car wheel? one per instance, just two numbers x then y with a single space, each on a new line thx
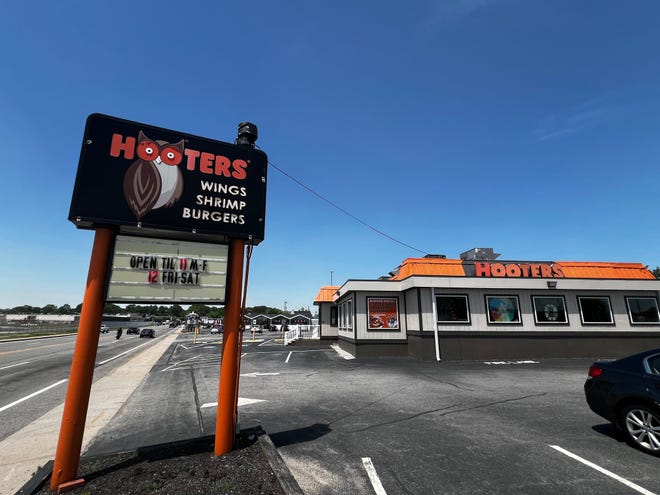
642 426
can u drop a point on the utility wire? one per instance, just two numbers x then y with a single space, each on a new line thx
334 205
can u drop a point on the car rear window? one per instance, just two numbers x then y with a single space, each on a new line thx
653 363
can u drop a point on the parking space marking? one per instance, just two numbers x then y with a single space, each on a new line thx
512 362
373 476
12 365
286 361
342 352
34 394
179 363
629 484
241 402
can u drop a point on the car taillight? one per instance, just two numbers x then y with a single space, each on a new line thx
595 371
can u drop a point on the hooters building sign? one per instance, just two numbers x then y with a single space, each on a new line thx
513 270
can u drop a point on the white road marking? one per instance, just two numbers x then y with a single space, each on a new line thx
179 362
342 352
12 365
512 362
287 358
123 353
373 476
34 394
241 402
255 374
629 484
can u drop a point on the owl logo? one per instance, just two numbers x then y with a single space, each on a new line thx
154 180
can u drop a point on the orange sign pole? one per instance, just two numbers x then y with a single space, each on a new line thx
225 426
67 456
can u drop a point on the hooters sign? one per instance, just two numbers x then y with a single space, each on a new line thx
149 181
514 270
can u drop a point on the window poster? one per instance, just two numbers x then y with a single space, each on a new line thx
503 309
550 310
382 313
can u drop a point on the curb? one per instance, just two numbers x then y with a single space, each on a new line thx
287 481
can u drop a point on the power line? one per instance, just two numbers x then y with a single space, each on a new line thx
345 212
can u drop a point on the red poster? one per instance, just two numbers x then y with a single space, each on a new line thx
383 313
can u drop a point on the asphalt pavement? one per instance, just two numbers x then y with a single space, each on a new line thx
393 425
359 426
30 441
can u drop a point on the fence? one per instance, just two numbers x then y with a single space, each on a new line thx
296 332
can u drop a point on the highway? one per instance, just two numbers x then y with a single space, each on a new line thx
34 372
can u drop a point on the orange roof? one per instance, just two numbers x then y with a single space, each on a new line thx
572 269
429 266
594 269
326 293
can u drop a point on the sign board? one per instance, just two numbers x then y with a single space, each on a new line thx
167 271
155 182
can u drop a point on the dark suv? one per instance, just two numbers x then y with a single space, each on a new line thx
133 331
147 332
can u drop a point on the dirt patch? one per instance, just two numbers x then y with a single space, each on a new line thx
187 467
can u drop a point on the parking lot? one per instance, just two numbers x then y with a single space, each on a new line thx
396 425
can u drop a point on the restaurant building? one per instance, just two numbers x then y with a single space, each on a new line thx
477 307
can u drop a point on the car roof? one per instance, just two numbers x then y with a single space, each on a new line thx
635 359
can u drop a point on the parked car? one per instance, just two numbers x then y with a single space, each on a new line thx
147 332
215 329
105 328
133 331
627 393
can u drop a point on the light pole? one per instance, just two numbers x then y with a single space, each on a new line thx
331 272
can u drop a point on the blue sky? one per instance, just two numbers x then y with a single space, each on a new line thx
529 126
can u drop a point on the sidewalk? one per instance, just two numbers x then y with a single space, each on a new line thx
22 453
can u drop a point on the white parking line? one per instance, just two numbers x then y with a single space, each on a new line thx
125 352
512 362
286 361
34 394
373 476
12 365
629 484
342 353
242 401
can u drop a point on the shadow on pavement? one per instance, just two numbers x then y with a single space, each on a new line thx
609 430
299 435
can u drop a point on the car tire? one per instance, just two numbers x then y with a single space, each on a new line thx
641 424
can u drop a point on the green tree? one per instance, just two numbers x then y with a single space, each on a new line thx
656 272
177 311
111 309
200 309
49 309
65 309
26 309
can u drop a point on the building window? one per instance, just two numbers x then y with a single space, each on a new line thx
550 310
503 310
334 320
346 315
382 313
595 310
643 310
452 308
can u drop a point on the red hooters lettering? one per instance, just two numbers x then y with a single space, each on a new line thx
118 146
558 271
515 270
204 162
497 270
482 269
